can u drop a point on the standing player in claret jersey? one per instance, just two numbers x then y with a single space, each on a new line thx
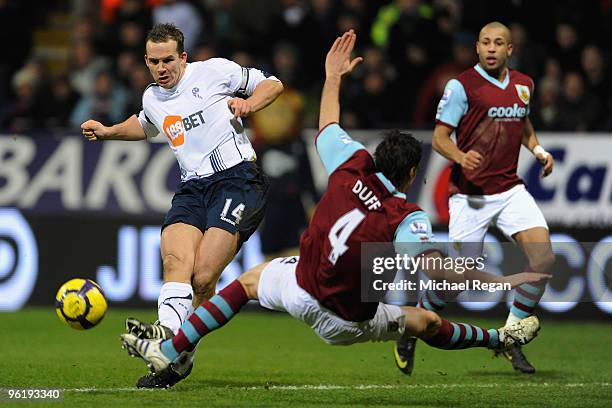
364 202
487 107
220 201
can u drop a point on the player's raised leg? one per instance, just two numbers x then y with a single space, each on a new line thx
215 251
178 247
448 335
211 315
175 302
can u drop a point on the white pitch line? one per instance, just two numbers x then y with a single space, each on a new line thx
94 389
424 386
324 387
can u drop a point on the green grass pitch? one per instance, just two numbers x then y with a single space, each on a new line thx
268 359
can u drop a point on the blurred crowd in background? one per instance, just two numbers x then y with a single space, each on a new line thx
67 61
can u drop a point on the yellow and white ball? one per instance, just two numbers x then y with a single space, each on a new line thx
80 303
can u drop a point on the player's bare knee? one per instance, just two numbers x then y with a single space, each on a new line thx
204 281
543 262
548 260
177 267
430 324
434 322
420 322
204 286
250 280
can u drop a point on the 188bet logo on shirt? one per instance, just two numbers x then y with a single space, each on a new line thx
175 127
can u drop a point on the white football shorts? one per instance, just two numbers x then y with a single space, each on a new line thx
278 290
512 211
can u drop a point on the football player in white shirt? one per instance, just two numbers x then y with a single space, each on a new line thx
220 201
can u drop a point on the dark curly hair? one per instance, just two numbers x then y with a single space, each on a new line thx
396 155
165 32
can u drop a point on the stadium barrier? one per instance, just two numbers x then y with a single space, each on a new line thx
75 209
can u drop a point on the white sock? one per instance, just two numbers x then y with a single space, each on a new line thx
512 319
174 304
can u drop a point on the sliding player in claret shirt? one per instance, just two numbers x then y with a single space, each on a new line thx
487 107
364 202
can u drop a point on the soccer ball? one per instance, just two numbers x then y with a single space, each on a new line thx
80 303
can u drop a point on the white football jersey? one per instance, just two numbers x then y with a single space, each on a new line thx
194 116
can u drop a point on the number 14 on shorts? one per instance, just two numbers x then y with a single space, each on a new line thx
236 212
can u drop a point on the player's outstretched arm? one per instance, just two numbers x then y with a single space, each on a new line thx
130 129
337 64
530 141
434 271
443 144
264 94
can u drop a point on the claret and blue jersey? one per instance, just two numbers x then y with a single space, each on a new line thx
489 117
360 205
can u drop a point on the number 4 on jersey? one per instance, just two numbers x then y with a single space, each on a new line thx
341 231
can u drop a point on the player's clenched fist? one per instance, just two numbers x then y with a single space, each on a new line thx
240 107
471 160
94 130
